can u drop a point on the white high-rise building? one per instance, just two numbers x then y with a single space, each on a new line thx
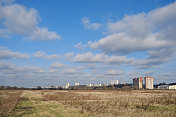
114 82
67 85
148 82
76 84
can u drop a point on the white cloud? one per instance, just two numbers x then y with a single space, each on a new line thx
155 58
8 68
5 65
89 58
5 53
88 25
162 53
57 65
91 66
120 43
162 17
17 19
168 74
119 60
114 72
148 62
29 69
140 32
69 71
142 24
69 55
44 34
166 77
135 26
43 55
81 46
102 58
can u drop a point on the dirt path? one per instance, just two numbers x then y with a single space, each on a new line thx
32 104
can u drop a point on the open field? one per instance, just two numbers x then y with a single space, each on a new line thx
96 103
32 104
8 101
130 103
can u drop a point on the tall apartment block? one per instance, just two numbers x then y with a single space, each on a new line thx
137 83
67 85
148 82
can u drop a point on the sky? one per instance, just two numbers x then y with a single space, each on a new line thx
54 42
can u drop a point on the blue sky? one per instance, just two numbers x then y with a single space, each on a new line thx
48 42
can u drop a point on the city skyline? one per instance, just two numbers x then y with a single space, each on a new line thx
51 43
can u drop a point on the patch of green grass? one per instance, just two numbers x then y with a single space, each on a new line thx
33 105
24 107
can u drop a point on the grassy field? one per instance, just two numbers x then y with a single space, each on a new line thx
132 103
8 101
79 103
32 104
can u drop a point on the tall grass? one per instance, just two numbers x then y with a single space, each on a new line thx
8 101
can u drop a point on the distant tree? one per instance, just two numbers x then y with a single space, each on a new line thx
1 87
39 88
162 83
172 83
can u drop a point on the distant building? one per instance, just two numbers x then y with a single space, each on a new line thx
137 83
90 85
172 87
114 82
67 85
163 87
106 84
148 82
76 84
97 85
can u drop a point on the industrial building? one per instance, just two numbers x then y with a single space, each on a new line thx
163 87
148 82
167 87
172 87
137 83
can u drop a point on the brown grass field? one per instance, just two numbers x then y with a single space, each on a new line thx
8 101
91 103
132 103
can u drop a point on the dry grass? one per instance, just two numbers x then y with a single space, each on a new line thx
118 103
8 101
32 104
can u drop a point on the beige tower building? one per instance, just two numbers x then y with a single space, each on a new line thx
148 82
137 83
